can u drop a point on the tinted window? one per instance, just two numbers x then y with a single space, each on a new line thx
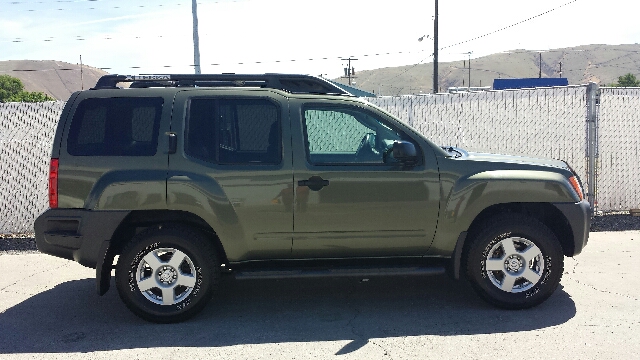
115 127
348 135
233 131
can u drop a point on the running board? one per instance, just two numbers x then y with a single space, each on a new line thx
336 272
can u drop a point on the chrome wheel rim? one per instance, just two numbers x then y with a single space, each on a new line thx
166 276
514 265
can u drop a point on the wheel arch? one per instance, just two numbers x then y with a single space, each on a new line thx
546 213
140 220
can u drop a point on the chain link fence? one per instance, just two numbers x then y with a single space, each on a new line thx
618 166
546 122
26 134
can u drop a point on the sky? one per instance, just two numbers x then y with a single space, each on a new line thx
299 36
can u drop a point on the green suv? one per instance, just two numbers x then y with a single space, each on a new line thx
181 179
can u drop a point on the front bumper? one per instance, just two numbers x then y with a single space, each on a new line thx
579 217
77 234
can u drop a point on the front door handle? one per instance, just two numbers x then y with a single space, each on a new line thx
314 183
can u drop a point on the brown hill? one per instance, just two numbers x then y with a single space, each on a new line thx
599 63
602 64
55 78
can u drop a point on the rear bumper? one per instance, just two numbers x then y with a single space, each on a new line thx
77 234
579 217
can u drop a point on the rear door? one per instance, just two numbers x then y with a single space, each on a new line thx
233 169
352 198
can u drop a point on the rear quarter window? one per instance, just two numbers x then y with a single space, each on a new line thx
115 127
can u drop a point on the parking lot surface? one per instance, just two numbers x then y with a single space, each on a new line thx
49 308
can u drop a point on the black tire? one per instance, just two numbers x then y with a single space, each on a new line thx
171 292
521 278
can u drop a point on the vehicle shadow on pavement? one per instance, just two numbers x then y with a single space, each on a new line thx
72 318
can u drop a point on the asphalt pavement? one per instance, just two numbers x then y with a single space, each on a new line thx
49 308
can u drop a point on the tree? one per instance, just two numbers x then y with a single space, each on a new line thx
9 86
12 90
27 96
628 80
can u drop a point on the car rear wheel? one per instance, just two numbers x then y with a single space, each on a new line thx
514 262
167 274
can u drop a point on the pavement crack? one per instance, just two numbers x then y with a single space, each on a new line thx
573 272
359 340
352 326
386 352
604 291
32 275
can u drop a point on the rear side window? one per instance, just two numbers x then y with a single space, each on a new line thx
234 131
115 127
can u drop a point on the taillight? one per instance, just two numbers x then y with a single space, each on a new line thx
53 184
576 186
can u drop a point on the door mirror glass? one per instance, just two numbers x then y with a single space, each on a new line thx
404 152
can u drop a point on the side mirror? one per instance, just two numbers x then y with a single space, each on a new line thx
405 152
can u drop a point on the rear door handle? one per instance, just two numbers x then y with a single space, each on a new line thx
314 183
173 142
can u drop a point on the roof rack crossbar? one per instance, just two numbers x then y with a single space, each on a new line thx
292 83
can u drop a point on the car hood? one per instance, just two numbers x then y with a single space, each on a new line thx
516 159
461 154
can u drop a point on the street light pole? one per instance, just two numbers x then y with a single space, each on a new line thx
435 51
196 39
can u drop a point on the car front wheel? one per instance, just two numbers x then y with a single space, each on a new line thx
514 262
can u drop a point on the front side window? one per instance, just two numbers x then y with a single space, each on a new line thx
347 135
234 131
115 127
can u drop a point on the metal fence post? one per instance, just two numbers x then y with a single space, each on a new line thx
592 142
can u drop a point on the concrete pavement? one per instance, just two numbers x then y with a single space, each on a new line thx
48 307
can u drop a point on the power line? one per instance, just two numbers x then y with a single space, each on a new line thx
491 33
507 27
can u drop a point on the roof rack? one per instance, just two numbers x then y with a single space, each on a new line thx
295 84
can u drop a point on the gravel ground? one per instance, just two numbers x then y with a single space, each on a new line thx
17 243
25 243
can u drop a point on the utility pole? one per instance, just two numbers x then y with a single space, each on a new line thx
196 39
469 53
349 72
81 77
560 68
435 51
540 71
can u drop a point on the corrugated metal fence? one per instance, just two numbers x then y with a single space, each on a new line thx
547 122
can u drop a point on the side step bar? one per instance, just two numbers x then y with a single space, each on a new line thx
336 272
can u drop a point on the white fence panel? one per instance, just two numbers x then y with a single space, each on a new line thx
546 122
619 155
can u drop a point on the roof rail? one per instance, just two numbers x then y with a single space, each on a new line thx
296 84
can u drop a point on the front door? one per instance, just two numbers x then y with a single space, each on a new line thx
352 198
